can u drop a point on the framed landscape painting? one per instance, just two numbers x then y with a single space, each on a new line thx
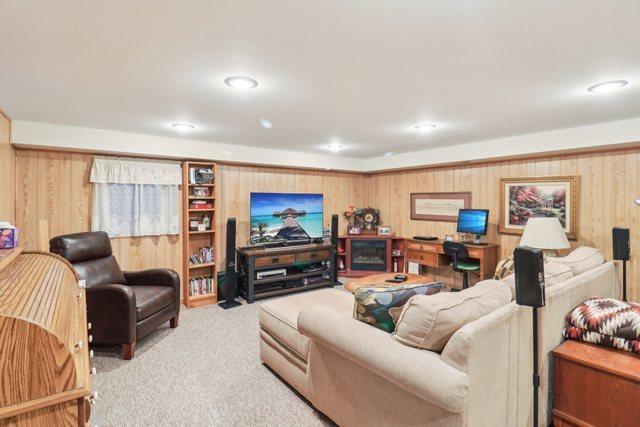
439 206
552 196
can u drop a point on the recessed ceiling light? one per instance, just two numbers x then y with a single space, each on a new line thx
241 82
266 123
608 86
183 127
335 147
388 153
424 127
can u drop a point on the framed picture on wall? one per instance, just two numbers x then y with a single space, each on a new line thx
439 206
551 196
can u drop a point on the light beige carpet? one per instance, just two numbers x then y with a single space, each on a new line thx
205 372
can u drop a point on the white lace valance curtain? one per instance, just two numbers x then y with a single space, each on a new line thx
134 197
134 171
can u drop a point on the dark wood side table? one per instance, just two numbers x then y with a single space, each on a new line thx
595 386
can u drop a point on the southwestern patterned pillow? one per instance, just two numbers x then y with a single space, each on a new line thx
372 304
606 321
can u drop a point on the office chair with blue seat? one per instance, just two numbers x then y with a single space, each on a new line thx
460 261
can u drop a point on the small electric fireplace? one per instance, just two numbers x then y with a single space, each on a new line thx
369 254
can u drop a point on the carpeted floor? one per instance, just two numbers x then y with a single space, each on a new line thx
205 372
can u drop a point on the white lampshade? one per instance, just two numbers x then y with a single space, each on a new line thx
544 233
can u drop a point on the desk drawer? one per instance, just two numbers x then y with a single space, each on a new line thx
422 257
275 260
421 247
312 256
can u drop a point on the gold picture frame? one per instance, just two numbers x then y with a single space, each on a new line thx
523 198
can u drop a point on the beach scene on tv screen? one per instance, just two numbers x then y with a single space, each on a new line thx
285 216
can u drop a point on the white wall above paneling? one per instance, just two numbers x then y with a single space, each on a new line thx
58 137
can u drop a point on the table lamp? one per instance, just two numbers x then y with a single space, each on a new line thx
545 233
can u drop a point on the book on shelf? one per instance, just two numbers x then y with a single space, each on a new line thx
204 256
200 286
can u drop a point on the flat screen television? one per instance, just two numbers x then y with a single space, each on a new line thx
285 217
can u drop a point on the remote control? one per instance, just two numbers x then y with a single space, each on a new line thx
394 280
400 277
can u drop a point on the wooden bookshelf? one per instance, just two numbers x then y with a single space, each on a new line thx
193 240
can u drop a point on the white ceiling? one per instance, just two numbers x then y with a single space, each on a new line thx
358 72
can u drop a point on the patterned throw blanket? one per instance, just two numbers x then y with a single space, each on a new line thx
606 321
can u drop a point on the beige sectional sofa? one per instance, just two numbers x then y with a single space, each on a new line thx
358 375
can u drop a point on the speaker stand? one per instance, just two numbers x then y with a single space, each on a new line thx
536 374
229 304
624 280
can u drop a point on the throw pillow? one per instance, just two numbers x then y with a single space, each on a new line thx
607 322
553 273
504 268
428 322
582 259
372 304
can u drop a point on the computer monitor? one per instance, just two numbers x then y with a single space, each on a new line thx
473 221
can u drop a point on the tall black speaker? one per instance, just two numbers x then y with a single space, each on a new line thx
231 274
621 244
529 271
334 242
622 252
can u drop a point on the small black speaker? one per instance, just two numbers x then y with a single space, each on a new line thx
334 242
334 230
621 244
230 274
529 271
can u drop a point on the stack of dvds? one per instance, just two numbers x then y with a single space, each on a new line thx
204 256
200 286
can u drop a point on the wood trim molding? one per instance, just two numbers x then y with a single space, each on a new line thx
43 402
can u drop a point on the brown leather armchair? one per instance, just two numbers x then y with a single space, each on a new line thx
122 306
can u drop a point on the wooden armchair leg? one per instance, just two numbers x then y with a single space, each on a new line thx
128 350
174 322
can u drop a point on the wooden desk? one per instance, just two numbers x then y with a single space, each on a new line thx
431 254
595 386
293 259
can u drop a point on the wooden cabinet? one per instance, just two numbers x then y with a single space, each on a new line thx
595 385
44 357
303 267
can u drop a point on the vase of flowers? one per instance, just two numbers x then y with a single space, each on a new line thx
349 215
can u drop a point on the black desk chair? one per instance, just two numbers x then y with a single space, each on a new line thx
460 261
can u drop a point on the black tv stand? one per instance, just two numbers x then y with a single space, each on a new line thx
295 260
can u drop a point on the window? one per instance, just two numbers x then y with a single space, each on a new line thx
134 197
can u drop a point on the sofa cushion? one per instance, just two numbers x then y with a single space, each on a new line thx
429 321
152 299
582 259
279 317
372 304
553 273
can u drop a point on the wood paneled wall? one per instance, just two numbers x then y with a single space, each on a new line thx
7 172
237 182
609 183
54 186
